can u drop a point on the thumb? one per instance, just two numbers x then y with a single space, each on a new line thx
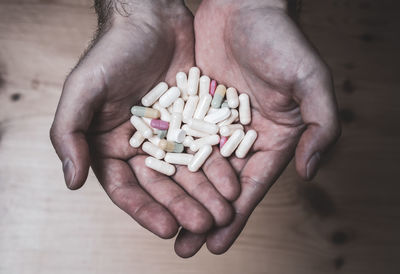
319 113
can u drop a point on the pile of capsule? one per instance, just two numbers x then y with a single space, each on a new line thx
194 114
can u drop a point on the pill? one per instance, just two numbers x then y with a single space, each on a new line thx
199 158
170 146
178 105
232 143
178 158
161 133
218 96
174 124
213 86
218 116
232 97
141 126
165 115
212 110
155 140
145 112
188 141
154 94
208 140
203 126
148 122
204 85
159 124
222 141
234 115
244 109
229 129
136 140
193 132
193 80
176 135
182 84
246 143
153 150
190 108
225 104
203 106
169 97
160 166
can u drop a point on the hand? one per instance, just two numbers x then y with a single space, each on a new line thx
139 44
255 47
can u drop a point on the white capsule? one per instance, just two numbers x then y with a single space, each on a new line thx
137 139
182 83
193 80
154 94
165 115
234 115
218 116
209 140
148 122
141 126
153 150
193 132
204 85
178 158
190 108
203 126
155 140
247 142
169 97
244 109
160 166
229 129
232 97
232 143
178 106
199 158
177 135
203 106
212 110
174 124
188 141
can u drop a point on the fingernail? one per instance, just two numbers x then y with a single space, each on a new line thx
312 165
69 172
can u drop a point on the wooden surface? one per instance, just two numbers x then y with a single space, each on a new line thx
346 221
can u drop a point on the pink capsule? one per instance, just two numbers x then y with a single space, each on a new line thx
213 86
159 124
222 141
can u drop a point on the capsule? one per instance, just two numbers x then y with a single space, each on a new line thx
175 123
229 129
203 106
155 140
178 158
199 158
213 86
188 141
136 140
193 80
203 126
145 112
193 132
154 94
209 140
160 166
153 150
177 135
190 108
148 122
232 97
159 124
170 146
165 116
161 133
232 143
247 142
225 104
178 105
169 97
244 109
218 96
141 126
204 85
222 141
218 116
234 115
182 84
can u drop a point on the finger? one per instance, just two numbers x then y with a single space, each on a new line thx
188 244
258 175
120 184
222 175
319 112
72 119
188 212
199 187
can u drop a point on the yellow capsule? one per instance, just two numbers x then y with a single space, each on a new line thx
170 146
145 112
218 96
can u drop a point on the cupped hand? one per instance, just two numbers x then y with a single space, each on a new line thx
255 47
139 44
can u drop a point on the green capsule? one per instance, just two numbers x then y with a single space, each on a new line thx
170 146
145 112
162 133
218 96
